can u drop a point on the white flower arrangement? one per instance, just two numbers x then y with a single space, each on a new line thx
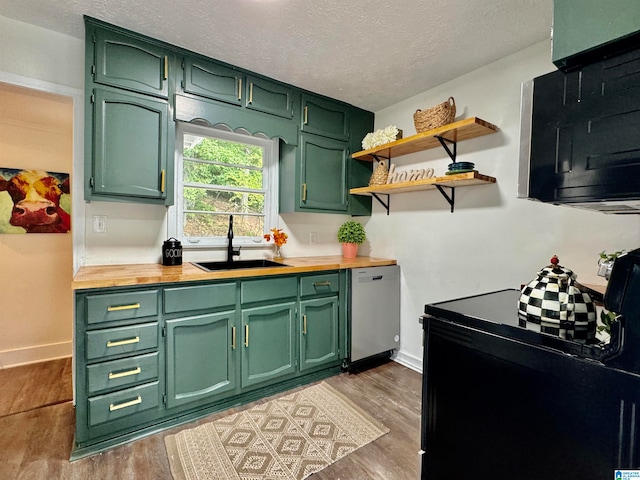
380 137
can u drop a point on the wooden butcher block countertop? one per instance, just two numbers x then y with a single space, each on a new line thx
101 276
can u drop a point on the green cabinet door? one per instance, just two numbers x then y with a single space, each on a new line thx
212 80
200 358
323 174
324 117
129 146
268 349
269 97
126 62
318 332
582 28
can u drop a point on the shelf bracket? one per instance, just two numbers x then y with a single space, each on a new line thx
443 141
385 205
451 200
379 157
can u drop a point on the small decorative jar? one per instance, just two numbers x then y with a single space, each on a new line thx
553 304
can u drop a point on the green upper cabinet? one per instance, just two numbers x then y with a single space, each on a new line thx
216 81
126 62
583 30
323 174
129 147
129 132
321 116
212 80
269 97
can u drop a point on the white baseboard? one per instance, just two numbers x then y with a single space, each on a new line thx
409 361
40 353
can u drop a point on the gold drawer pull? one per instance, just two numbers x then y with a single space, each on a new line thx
233 338
321 284
123 342
162 180
123 307
304 324
130 403
246 335
306 115
304 192
166 67
135 371
239 89
251 93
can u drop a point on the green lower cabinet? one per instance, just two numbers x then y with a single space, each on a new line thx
152 357
268 343
200 358
318 332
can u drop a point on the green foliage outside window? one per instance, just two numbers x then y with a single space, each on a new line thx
213 172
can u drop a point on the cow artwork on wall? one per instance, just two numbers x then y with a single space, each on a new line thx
34 201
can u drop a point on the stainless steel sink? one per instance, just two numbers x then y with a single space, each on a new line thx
236 265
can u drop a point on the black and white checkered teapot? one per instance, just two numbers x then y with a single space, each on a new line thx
553 303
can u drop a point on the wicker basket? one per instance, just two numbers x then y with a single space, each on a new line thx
380 174
435 117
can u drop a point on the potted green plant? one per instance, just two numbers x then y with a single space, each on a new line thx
351 234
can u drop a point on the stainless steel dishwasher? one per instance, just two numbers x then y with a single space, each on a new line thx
375 311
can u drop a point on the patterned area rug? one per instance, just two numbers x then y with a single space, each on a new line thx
290 437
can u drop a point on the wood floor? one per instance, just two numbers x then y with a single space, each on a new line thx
35 440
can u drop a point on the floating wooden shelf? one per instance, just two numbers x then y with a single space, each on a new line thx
454 132
457 180
445 136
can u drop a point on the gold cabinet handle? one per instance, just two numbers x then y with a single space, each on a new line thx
128 373
251 93
304 324
130 403
239 89
321 284
246 335
166 67
304 192
233 338
128 341
162 179
123 307
306 115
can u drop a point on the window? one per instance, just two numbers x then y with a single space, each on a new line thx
221 173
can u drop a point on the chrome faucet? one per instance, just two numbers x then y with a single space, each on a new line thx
230 250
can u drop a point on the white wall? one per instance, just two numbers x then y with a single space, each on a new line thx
493 240
46 61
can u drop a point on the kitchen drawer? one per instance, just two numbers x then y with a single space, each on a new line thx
122 373
317 284
269 289
112 406
121 306
122 340
184 299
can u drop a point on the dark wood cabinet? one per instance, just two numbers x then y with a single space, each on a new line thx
503 408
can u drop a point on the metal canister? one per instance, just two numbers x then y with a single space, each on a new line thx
172 252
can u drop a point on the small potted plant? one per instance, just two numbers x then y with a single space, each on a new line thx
351 234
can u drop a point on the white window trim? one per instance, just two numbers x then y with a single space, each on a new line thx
270 179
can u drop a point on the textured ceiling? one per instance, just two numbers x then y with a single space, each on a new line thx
370 53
